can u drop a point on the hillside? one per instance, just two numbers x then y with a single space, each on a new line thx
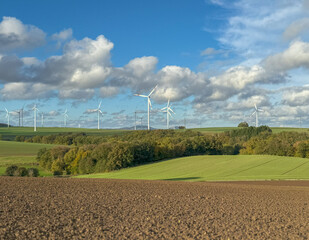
216 168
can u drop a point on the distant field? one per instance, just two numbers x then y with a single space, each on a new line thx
223 129
10 148
12 132
21 154
216 168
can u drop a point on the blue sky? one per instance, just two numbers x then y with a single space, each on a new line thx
214 59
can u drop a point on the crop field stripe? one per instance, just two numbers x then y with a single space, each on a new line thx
244 170
295 168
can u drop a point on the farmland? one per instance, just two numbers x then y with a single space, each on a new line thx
12 132
54 208
216 168
21 154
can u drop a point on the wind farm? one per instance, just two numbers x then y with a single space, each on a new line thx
154 119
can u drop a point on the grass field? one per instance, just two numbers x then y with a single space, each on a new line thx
217 168
12 132
21 154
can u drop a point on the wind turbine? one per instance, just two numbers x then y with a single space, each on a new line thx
168 111
42 120
257 110
99 111
34 117
8 117
149 103
65 116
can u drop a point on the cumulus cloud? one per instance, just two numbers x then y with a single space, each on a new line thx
296 96
14 35
296 56
63 35
76 93
20 90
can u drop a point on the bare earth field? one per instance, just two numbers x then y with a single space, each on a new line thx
54 208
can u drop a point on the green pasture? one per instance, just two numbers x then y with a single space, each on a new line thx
216 168
12 132
21 154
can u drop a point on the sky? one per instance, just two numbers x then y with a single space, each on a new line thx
214 60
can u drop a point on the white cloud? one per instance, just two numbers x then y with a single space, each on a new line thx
108 91
298 96
257 28
63 35
297 55
15 35
211 51
296 29
76 93
20 90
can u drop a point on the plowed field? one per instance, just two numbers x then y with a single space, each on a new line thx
54 208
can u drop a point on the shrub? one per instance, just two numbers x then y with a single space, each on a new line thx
33 172
57 173
10 170
21 172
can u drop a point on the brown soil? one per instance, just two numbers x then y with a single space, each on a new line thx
54 208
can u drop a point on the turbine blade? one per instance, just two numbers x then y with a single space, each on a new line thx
253 113
255 106
152 90
100 104
163 108
140 95
172 110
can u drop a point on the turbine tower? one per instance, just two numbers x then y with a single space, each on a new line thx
42 120
65 116
149 103
8 117
257 110
168 111
34 117
98 110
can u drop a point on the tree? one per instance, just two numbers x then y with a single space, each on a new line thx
243 124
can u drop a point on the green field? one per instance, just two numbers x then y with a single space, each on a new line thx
21 154
12 132
223 129
217 168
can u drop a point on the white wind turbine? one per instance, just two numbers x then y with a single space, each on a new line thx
8 117
168 111
42 120
65 116
149 103
98 110
34 117
257 110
